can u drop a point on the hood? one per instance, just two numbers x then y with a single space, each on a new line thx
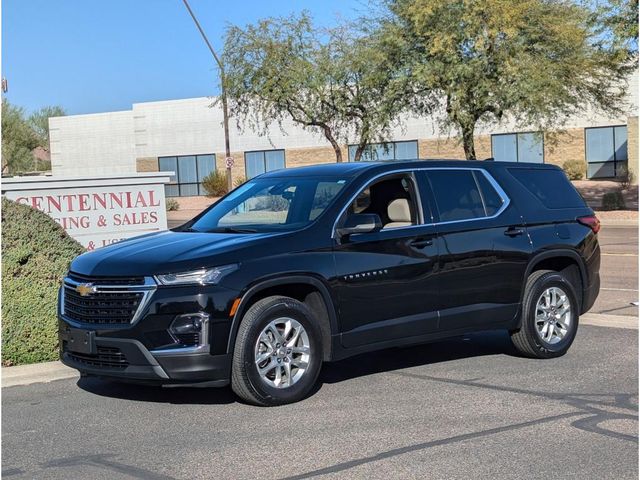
165 252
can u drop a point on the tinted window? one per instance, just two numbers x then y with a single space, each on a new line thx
518 147
505 148
530 148
492 200
551 187
606 151
386 151
457 195
189 171
257 163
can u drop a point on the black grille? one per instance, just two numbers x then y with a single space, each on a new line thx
101 308
188 338
106 280
107 357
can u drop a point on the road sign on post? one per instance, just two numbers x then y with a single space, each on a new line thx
229 162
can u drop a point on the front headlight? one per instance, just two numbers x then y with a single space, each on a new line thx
204 276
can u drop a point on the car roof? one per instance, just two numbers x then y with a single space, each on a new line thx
352 169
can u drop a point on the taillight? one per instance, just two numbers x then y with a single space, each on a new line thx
591 221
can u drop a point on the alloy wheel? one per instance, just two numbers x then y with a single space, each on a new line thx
282 352
553 315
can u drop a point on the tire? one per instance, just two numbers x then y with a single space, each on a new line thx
532 339
262 318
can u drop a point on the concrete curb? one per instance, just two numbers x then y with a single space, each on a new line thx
620 222
50 371
612 321
36 373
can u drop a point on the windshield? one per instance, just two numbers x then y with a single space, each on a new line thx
271 204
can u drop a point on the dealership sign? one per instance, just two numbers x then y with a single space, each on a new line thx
96 211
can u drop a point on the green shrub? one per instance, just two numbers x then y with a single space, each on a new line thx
626 177
215 184
36 253
613 201
575 169
172 205
239 181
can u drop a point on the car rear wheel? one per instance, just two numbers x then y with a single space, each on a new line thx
550 316
278 352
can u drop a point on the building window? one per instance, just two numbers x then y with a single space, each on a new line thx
256 163
189 170
606 150
518 147
386 151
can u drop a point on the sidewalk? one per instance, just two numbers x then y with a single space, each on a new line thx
36 373
50 371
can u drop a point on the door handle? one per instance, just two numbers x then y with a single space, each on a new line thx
422 242
513 232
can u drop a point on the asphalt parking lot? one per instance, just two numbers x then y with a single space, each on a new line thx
458 409
619 271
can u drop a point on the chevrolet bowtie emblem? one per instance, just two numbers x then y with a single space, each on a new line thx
85 289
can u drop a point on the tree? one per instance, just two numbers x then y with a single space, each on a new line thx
336 81
535 62
618 20
18 140
21 135
39 122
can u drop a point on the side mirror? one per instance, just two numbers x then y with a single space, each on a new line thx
360 223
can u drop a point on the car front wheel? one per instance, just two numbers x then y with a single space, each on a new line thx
278 352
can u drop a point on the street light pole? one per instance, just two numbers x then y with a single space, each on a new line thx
223 96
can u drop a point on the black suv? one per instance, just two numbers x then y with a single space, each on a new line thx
301 266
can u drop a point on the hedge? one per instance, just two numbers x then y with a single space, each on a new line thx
613 201
36 253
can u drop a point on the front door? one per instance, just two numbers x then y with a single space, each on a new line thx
386 282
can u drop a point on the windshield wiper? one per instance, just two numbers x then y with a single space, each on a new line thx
232 230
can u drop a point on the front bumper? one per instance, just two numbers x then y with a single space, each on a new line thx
144 351
130 360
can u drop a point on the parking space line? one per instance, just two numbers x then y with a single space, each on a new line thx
620 254
619 289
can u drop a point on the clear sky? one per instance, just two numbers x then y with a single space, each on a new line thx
103 55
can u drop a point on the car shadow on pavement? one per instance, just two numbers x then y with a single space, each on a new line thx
472 345
466 346
157 394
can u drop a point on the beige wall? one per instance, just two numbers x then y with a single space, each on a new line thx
300 157
238 171
147 164
451 148
563 146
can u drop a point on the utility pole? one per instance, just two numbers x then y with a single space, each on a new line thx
223 97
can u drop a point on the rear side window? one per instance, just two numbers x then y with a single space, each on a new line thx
492 200
551 187
463 195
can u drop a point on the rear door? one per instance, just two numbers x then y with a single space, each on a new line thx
386 280
483 249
